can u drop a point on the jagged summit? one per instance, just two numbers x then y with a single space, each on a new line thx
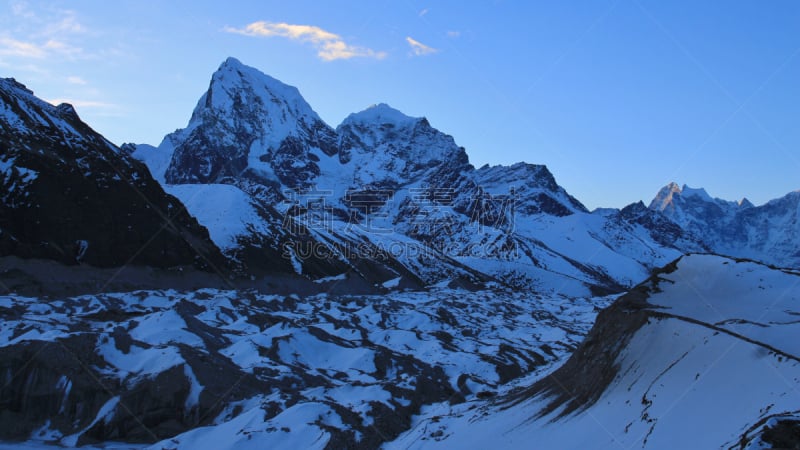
231 61
258 135
381 113
12 83
247 124
739 228
700 193
235 83
666 197
67 109
522 172
534 186
23 109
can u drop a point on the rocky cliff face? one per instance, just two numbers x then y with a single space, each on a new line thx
70 195
248 125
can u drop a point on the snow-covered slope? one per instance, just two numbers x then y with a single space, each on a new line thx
702 355
68 194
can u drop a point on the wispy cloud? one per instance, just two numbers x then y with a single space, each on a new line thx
14 47
62 48
76 80
423 12
330 46
68 23
20 9
26 49
81 103
44 35
24 67
418 48
453 34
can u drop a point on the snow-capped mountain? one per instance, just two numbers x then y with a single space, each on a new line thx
694 208
248 125
534 187
381 147
701 355
769 232
384 184
70 195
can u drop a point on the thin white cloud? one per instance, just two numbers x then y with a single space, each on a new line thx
67 24
26 49
453 34
20 9
330 46
48 21
14 47
76 80
418 48
81 103
62 48
25 67
42 33
423 12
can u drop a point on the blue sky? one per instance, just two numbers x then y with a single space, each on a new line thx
616 97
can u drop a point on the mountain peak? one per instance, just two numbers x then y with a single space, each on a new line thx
381 113
668 193
701 193
14 84
241 122
235 79
67 109
230 61
664 197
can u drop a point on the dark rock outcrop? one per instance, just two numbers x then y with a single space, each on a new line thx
70 195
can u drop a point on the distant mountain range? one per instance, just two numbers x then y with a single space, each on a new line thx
770 232
389 184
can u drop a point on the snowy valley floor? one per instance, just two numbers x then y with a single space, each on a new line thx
704 354
232 369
